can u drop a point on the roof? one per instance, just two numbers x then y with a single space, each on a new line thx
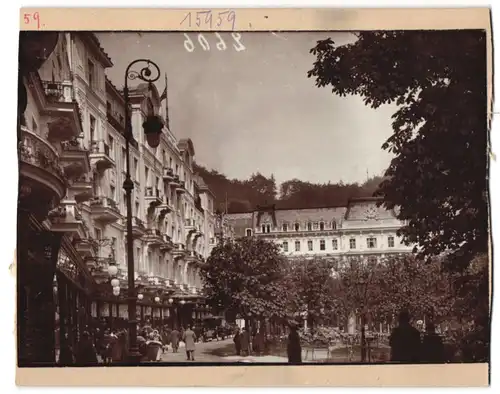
98 49
186 144
113 89
310 215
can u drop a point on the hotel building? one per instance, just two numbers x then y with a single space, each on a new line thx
72 208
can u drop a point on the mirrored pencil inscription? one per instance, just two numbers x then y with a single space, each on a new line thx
262 197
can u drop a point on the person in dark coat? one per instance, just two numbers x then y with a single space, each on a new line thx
237 341
174 338
405 341
294 350
244 342
86 353
432 346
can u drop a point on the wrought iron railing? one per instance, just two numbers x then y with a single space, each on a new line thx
74 144
138 222
58 91
105 202
36 151
168 172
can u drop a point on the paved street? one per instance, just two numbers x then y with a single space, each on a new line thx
201 354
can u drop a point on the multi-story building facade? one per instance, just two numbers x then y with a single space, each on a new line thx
72 168
358 229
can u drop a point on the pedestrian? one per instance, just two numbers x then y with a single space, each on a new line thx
244 342
294 350
237 341
86 352
189 339
174 338
432 346
405 341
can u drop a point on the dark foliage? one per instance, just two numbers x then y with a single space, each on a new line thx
439 174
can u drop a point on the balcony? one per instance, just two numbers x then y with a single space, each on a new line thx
67 218
181 188
168 174
42 180
153 237
104 210
74 158
152 196
101 156
165 207
167 243
81 188
63 112
138 228
179 249
175 182
86 247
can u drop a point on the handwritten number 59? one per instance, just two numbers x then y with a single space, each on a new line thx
32 18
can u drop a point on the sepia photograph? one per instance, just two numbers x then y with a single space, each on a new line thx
267 197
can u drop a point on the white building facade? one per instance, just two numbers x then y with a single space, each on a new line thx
359 229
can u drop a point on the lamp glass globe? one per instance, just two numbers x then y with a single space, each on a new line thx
115 282
140 296
116 288
170 300
112 270
157 299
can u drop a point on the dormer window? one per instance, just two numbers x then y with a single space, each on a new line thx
268 228
285 227
297 227
321 226
263 228
249 232
309 226
334 225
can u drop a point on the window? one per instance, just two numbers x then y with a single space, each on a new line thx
146 173
297 246
124 157
371 242
170 161
321 226
112 192
297 227
322 245
34 126
177 169
390 241
136 168
98 233
108 106
285 246
335 244
352 243
263 228
137 209
285 227
249 232
163 157
309 226
111 143
92 128
334 225
268 228
310 245
91 73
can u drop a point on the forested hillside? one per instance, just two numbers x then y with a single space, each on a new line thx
245 195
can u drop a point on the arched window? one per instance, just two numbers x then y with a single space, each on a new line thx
297 227
268 228
321 226
263 228
334 225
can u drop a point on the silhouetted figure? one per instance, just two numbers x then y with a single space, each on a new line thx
237 341
405 341
245 342
294 349
86 352
189 339
432 346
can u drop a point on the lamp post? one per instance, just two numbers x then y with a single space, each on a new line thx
152 129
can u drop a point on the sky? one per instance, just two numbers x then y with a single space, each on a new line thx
254 109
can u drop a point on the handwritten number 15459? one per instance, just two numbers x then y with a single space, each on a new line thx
204 19
220 45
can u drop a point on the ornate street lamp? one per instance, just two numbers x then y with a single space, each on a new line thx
152 130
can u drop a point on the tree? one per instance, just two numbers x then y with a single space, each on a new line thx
311 285
438 177
244 277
